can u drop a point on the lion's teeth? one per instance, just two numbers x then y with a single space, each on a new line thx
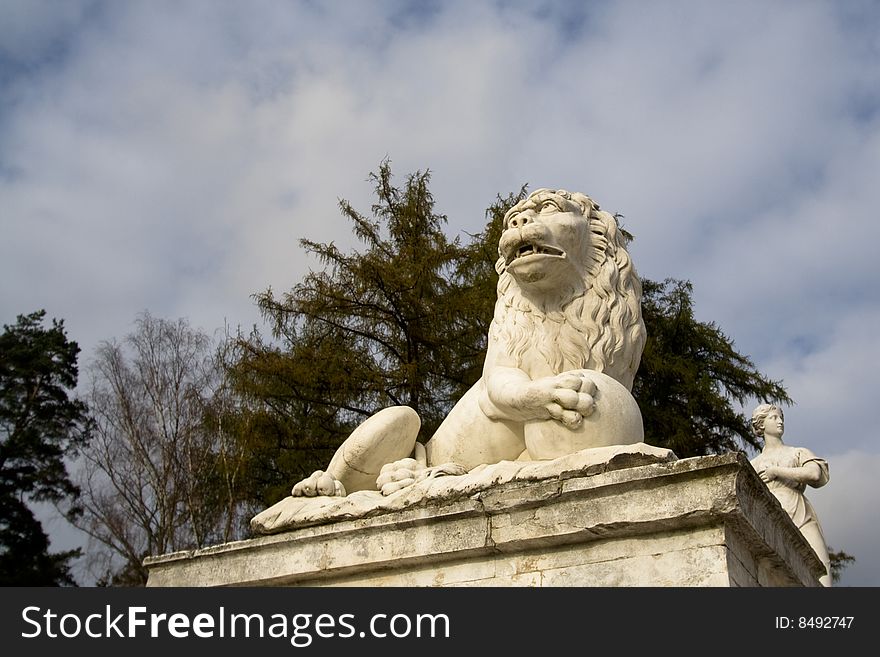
529 249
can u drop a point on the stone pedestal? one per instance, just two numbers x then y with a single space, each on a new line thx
706 521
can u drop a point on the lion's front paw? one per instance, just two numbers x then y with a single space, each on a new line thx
569 397
406 472
318 484
398 475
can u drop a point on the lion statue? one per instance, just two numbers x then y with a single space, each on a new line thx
563 349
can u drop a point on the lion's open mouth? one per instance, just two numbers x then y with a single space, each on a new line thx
534 249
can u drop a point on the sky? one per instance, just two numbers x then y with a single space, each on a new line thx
169 156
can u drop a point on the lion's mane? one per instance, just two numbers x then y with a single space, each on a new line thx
599 329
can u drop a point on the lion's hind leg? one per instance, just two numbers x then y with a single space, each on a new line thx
386 437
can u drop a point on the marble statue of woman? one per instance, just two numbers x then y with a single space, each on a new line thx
787 470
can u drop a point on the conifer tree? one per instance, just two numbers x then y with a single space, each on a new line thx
40 424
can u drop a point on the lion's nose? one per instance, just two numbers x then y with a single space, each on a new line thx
520 220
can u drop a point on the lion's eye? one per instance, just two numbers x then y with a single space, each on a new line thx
549 207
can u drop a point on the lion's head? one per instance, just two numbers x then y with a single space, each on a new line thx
567 287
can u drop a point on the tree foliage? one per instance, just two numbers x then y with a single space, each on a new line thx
839 562
161 473
40 424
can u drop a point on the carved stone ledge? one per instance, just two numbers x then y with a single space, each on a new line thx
706 521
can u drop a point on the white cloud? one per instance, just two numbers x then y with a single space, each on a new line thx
31 31
835 387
